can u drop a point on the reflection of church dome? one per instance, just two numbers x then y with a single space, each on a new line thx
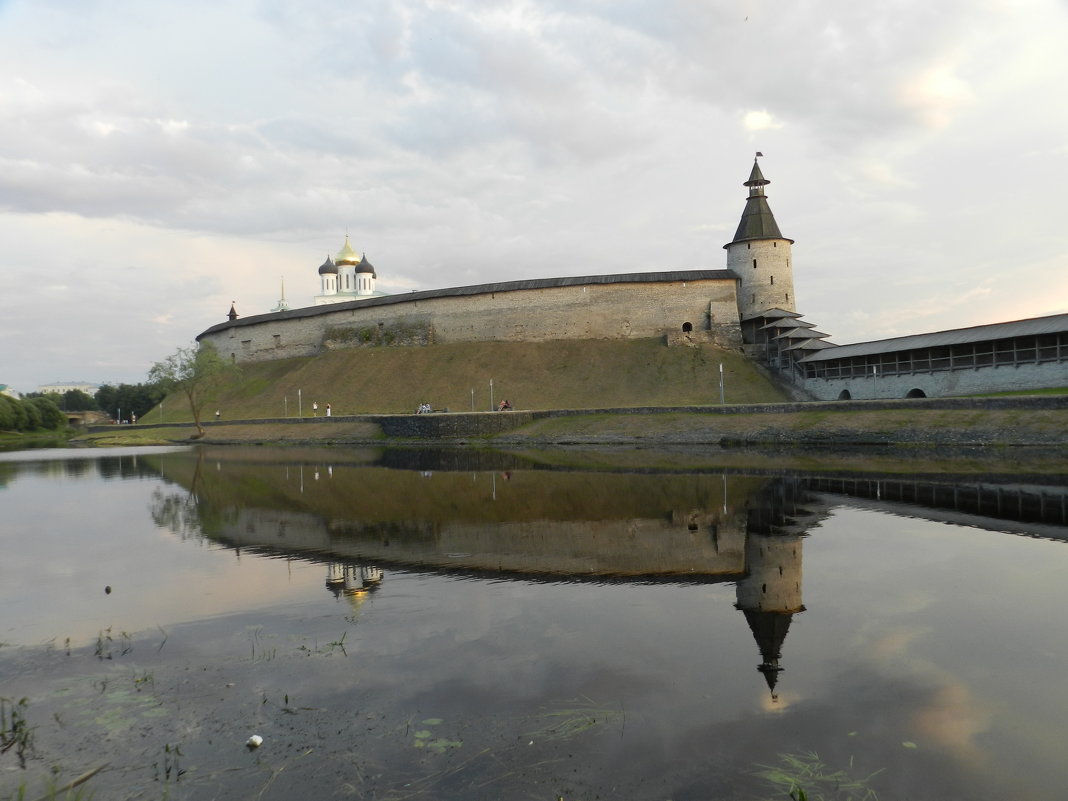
355 582
328 267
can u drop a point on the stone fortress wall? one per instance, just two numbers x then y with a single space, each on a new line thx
699 304
941 384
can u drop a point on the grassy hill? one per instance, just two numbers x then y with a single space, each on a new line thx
544 375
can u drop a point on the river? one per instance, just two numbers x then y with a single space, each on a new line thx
480 625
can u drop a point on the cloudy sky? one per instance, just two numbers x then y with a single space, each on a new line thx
158 160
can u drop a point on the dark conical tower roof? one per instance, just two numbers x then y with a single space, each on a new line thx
757 220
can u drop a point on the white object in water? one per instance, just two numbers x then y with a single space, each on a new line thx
255 741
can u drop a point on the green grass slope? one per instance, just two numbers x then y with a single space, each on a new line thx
545 375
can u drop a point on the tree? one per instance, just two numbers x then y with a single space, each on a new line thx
133 399
193 371
49 415
7 413
74 400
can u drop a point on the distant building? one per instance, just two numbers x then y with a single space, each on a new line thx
62 387
6 390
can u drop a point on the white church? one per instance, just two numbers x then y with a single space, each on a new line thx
346 277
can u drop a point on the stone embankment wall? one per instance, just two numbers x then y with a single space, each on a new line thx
616 310
768 423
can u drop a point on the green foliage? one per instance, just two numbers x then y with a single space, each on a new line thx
7 413
49 414
132 399
396 334
193 371
39 413
33 415
73 400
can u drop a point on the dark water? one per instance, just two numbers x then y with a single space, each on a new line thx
444 626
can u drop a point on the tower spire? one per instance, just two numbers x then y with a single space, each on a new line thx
282 304
757 220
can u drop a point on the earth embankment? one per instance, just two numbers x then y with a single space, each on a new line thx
956 422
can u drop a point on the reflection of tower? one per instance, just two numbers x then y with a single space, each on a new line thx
770 593
355 582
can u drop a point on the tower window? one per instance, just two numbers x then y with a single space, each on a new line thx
774 244
773 280
748 245
754 264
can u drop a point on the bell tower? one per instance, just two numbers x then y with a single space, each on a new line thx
760 255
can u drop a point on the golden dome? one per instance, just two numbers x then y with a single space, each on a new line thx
347 255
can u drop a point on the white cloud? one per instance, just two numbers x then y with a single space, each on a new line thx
760 121
935 94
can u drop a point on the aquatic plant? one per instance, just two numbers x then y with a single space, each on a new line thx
567 722
805 777
71 791
15 730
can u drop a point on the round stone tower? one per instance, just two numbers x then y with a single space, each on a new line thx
760 255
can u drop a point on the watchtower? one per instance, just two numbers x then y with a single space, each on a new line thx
760 255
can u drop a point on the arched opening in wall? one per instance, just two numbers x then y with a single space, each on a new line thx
844 395
916 392
687 327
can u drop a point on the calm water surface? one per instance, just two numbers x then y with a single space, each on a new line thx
443 626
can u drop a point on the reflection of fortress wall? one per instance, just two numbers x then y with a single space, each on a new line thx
1024 503
639 547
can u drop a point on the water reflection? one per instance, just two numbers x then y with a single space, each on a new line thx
447 513
480 591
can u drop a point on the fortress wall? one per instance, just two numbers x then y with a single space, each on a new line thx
966 381
592 311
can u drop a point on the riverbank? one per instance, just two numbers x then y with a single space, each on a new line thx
1040 421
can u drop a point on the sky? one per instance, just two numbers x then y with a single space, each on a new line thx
160 160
